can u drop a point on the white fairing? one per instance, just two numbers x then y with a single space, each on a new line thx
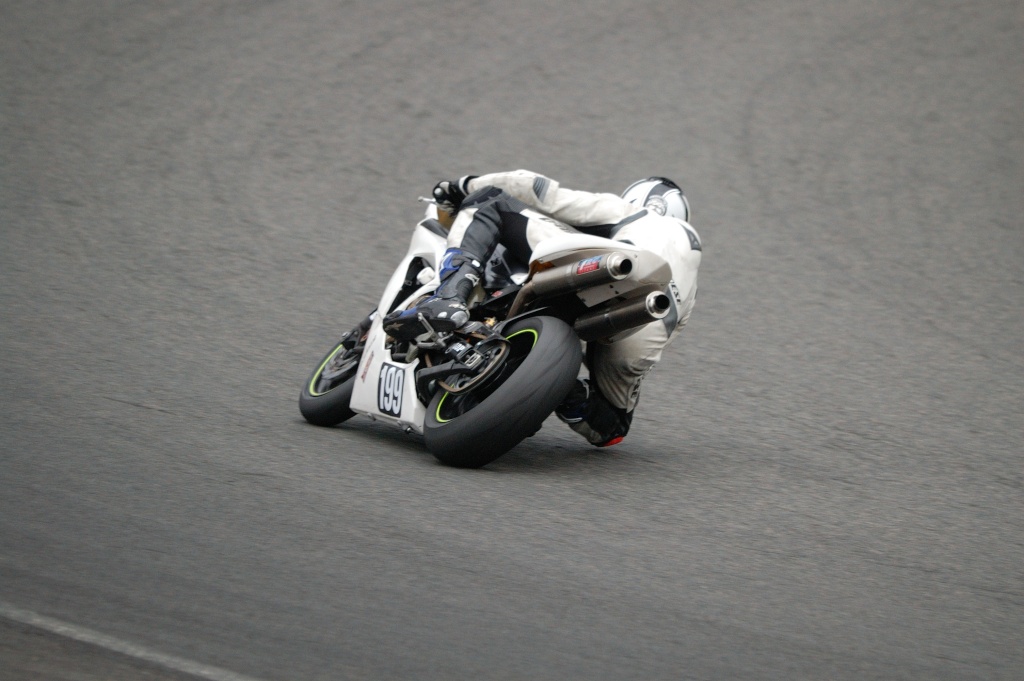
566 245
384 388
387 389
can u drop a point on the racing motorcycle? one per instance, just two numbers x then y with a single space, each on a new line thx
475 393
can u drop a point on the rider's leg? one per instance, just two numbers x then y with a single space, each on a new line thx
446 310
487 218
601 409
590 414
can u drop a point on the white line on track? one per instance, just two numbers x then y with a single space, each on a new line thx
73 631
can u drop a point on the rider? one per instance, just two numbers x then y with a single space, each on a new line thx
519 209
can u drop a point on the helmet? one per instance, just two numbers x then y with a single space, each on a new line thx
659 195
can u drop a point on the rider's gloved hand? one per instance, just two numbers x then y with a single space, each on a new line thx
450 195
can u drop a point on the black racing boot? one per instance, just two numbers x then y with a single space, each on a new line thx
446 310
590 414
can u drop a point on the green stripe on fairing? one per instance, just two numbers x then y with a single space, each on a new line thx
437 414
320 371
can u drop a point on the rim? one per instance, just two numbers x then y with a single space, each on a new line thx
454 405
338 367
495 352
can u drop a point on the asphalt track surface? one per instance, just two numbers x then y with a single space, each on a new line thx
824 479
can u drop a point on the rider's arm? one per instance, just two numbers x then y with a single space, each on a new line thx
577 208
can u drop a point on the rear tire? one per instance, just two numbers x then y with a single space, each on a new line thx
328 390
472 429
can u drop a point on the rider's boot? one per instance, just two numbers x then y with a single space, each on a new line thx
446 310
590 414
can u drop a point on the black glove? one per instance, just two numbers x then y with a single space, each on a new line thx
450 195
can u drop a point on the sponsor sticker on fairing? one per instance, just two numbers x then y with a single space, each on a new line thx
366 369
588 265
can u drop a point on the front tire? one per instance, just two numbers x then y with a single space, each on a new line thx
472 429
325 397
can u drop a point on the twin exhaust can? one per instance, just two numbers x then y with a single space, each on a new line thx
597 324
602 269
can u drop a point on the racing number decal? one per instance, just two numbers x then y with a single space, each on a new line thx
389 389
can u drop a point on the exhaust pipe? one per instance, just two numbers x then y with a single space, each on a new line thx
599 324
603 269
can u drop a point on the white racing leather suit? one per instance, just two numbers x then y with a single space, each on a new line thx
521 209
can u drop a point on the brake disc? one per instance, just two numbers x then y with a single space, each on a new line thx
494 351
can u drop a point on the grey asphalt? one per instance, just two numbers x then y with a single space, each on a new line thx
824 478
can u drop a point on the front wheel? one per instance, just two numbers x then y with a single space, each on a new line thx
472 429
328 390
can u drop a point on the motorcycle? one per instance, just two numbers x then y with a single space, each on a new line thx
476 393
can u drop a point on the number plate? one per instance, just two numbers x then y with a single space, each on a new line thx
389 389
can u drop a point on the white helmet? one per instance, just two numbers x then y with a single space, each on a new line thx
659 195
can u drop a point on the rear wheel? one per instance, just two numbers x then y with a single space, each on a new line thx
470 429
328 390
